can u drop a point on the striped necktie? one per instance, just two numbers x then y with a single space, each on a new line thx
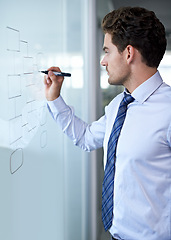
108 182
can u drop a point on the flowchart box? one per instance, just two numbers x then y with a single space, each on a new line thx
24 48
13 39
28 65
15 128
14 86
16 160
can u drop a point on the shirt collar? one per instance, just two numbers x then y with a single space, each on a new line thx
146 89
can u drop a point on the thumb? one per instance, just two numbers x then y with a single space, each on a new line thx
53 78
51 75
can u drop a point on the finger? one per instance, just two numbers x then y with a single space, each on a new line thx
47 80
51 75
55 79
56 69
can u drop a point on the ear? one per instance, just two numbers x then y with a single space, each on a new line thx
130 54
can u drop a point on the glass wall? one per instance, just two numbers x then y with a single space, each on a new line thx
165 67
44 179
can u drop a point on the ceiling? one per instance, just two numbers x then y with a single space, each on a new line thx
162 8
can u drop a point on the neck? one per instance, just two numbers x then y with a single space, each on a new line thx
138 76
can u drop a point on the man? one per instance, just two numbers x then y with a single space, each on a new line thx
137 199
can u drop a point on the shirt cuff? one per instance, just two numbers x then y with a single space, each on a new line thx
57 105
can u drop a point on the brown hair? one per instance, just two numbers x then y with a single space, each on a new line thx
140 28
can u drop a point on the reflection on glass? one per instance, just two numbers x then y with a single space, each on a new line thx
40 170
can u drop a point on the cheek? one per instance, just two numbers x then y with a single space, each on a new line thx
112 63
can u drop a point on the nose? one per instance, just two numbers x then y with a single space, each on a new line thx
103 62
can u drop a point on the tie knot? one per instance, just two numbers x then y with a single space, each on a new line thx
127 98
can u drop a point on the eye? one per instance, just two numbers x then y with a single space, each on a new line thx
106 50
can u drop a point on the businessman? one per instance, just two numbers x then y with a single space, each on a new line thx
135 131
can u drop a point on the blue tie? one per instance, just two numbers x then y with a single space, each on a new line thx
108 182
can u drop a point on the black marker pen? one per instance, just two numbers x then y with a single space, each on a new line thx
63 74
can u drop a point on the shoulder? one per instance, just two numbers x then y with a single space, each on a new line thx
165 88
164 94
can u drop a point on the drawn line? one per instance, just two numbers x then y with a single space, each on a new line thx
15 117
13 29
21 164
14 96
32 129
15 140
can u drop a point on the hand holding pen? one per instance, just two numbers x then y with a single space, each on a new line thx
53 81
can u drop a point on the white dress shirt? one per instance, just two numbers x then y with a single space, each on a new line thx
142 186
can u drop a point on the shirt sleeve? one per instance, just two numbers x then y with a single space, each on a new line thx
169 135
86 136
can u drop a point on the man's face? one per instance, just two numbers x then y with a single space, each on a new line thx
115 63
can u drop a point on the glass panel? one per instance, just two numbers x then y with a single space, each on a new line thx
40 169
165 68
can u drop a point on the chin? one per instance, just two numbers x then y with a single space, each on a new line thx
111 81
114 82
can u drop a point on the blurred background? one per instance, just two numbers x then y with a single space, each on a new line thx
50 189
